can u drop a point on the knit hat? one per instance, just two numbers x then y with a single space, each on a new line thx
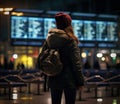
62 20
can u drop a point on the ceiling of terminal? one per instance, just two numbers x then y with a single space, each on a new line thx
88 6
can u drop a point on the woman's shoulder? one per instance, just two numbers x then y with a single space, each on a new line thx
57 38
55 30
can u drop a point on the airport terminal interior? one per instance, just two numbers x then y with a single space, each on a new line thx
24 25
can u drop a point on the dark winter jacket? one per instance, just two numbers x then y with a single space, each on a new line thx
71 75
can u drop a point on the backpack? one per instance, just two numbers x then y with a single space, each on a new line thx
49 61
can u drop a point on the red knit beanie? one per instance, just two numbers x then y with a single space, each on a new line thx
62 20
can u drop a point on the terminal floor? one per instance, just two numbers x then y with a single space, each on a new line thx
44 98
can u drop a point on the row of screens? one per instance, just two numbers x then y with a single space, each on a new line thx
37 28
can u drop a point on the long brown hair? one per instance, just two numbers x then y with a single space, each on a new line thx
70 33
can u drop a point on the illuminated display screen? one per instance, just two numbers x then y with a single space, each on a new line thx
89 30
35 28
32 30
101 31
111 31
19 27
26 27
78 28
48 24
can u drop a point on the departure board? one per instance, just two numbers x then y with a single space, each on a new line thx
35 28
112 31
89 30
29 30
19 27
26 27
101 31
48 24
78 28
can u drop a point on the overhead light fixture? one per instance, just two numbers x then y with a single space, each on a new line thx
107 16
83 14
29 10
1 9
6 13
54 12
8 9
17 13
